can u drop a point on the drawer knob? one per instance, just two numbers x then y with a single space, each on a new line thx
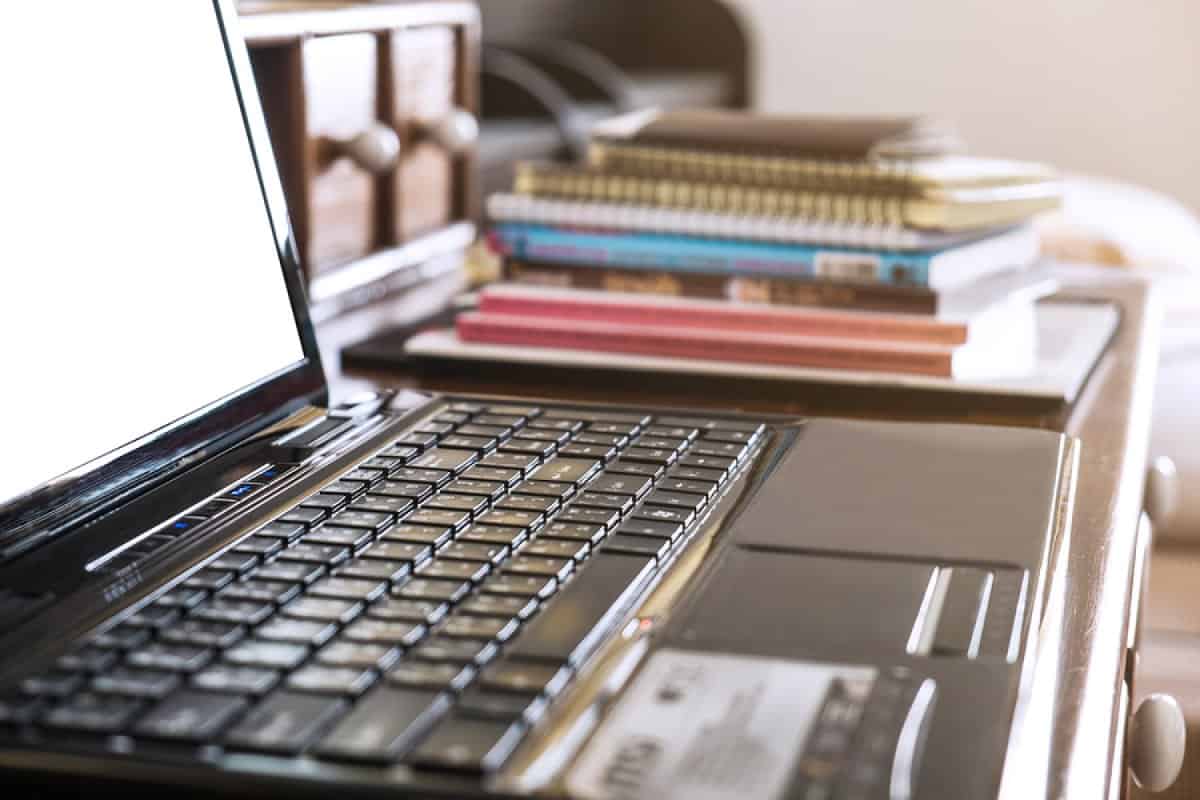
456 132
376 149
1157 739
1162 492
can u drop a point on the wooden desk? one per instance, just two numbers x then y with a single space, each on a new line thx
1077 692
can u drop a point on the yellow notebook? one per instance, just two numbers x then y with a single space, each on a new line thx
945 206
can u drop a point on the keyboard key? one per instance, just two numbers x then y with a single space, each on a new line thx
392 505
748 426
286 722
556 489
587 452
691 502
154 617
641 469
673 445
327 554
169 657
458 651
311 633
722 449
525 586
469 745
97 713
660 530
385 725
135 682
191 716
87 659
430 535
52 684
324 609
289 572
330 534
329 503
401 609
433 477
525 677
474 551
331 680
732 437
559 568
376 569
182 597
122 637
492 490
433 589
444 458
515 411
347 489
511 519
236 680
438 429
483 431
518 462
261 546
204 634
573 549
447 501
209 579
401 453
505 475
241 612
715 463
585 611
682 516
631 485
621 503
473 571
564 425
348 588
360 655
383 464
438 518
274 592
466 627
270 655
304 517
508 422
647 455
386 632
691 487
492 534
604 517
413 491
672 431
501 706
637 545
498 605
413 441
540 504
477 444
431 675
581 531
357 517
534 447
414 552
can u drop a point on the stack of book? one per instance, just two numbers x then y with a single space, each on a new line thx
863 244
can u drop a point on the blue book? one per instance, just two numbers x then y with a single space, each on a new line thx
939 270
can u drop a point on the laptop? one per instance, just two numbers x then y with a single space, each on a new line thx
213 579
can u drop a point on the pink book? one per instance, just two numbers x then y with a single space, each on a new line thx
636 309
752 346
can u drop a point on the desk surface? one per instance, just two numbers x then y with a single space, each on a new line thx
1080 692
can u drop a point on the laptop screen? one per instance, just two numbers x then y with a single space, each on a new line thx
142 277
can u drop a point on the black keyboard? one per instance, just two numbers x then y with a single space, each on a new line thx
425 608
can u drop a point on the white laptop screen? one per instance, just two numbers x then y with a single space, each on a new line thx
141 279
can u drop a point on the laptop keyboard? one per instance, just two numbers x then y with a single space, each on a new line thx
426 608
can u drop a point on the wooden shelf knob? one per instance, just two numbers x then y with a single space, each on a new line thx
1161 498
456 132
376 149
1157 740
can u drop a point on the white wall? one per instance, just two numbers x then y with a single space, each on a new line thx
1108 88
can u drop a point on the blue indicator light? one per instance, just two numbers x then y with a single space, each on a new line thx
181 525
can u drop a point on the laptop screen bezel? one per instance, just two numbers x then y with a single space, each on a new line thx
69 499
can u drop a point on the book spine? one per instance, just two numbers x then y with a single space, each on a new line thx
892 176
688 254
499 329
773 291
541 180
738 317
